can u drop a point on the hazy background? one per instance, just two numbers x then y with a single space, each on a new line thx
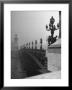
30 25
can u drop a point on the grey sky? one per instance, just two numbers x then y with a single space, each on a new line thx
30 25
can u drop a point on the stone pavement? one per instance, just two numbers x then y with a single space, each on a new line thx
51 75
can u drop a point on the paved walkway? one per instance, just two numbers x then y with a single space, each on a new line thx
51 75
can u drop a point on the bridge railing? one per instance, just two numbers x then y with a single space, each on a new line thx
40 54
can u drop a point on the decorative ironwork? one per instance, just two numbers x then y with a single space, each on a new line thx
51 39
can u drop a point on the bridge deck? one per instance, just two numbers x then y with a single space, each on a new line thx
29 65
26 64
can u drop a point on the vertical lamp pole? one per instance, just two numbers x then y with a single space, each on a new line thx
29 44
32 44
41 44
35 44
60 24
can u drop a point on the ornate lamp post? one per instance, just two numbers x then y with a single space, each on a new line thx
41 41
35 44
59 24
29 44
32 44
51 27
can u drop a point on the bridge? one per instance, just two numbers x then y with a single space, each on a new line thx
33 61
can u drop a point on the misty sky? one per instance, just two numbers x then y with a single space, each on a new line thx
30 25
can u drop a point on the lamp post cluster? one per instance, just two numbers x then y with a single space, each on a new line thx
31 45
40 54
51 27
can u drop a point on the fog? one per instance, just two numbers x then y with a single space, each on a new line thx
30 25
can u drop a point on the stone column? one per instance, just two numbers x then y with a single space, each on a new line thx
59 24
